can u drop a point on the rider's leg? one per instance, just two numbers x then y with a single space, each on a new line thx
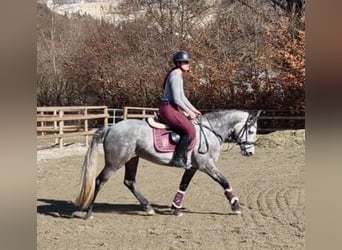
179 156
176 119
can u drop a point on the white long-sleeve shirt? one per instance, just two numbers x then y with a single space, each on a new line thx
174 92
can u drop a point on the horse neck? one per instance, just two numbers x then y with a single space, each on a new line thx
223 122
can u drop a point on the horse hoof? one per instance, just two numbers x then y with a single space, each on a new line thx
88 217
81 215
149 210
236 208
237 212
177 212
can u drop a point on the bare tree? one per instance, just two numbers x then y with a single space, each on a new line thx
246 54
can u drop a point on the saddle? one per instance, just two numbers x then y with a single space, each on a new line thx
164 139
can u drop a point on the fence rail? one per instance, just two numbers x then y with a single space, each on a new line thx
275 120
61 122
138 112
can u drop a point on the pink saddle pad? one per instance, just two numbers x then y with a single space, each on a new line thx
163 143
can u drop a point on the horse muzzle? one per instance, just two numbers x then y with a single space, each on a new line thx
247 151
247 148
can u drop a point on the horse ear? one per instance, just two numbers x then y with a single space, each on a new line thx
258 114
253 118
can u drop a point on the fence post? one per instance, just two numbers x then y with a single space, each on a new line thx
55 126
125 113
86 127
61 125
106 118
42 123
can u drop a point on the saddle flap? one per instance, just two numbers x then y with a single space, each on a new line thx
166 140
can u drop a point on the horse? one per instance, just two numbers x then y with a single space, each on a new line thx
128 140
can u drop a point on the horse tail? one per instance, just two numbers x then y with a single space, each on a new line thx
88 173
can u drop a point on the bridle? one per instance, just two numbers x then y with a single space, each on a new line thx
250 122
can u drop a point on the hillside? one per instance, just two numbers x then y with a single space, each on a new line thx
98 9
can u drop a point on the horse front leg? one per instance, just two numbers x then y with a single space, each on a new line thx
178 200
130 173
215 174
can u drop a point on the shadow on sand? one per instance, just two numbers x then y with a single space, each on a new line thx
66 209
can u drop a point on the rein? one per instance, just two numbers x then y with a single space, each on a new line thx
201 126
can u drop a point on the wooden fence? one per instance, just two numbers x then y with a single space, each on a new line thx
57 123
276 120
138 112
269 120
60 122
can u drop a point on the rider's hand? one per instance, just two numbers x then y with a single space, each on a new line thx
192 115
197 112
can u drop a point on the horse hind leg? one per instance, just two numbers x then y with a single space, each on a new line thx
129 181
101 179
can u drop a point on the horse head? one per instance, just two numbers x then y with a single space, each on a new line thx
244 133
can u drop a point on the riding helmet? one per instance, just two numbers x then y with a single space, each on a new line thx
181 56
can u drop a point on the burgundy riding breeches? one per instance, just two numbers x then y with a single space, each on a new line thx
173 116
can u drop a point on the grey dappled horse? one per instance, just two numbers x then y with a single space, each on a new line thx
128 140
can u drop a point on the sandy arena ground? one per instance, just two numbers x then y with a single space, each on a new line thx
270 186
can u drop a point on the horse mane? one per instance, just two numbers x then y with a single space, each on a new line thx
220 113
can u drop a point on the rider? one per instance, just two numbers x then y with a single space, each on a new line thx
176 110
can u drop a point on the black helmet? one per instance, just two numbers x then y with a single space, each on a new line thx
181 56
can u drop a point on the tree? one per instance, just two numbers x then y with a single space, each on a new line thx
246 54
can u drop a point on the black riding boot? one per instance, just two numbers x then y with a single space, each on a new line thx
179 157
